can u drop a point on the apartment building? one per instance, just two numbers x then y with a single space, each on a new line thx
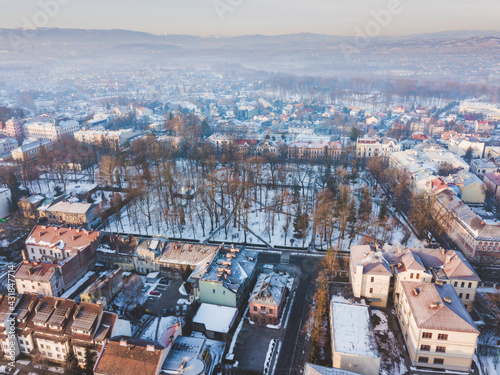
54 326
55 259
5 201
7 145
476 238
438 331
228 280
103 138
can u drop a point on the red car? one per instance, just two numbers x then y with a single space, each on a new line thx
155 293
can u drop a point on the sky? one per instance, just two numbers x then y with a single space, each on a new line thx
244 17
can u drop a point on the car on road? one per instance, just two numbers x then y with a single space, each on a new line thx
155 292
163 281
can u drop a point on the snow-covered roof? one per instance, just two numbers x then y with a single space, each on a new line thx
351 330
216 318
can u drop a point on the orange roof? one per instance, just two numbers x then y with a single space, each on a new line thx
63 238
129 356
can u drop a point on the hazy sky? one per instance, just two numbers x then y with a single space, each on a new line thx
236 17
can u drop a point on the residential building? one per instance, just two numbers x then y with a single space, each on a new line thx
55 259
104 138
50 130
460 144
477 238
228 280
7 145
353 341
438 331
484 126
5 202
370 274
314 150
54 326
104 289
117 251
69 213
39 277
148 253
13 129
130 356
30 151
471 188
492 181
369 147
480 167
267 147
268 298
439 266
180 259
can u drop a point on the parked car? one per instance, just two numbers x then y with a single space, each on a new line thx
155 292
163 281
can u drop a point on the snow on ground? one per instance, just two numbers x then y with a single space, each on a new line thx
75 287
230 354
182 290
382 326
165 323
183 301
391 353
269 354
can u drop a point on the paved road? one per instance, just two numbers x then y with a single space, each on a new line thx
292 356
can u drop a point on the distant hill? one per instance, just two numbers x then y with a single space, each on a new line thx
303 53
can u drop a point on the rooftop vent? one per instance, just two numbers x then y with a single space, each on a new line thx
150 348
435 304
123 342
447 299
416 291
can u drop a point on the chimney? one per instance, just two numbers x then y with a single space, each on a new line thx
435 304
443 251
150 348
123 342
416 291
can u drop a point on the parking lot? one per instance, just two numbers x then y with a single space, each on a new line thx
166 300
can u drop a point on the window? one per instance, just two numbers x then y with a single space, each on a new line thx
270 311
463 284
442 336
254 309
470 285
213 290
423 359
418 276
427 348
456 284
460 295
441 349
438 361
372 279
411 275
426 335
467 296
371 290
